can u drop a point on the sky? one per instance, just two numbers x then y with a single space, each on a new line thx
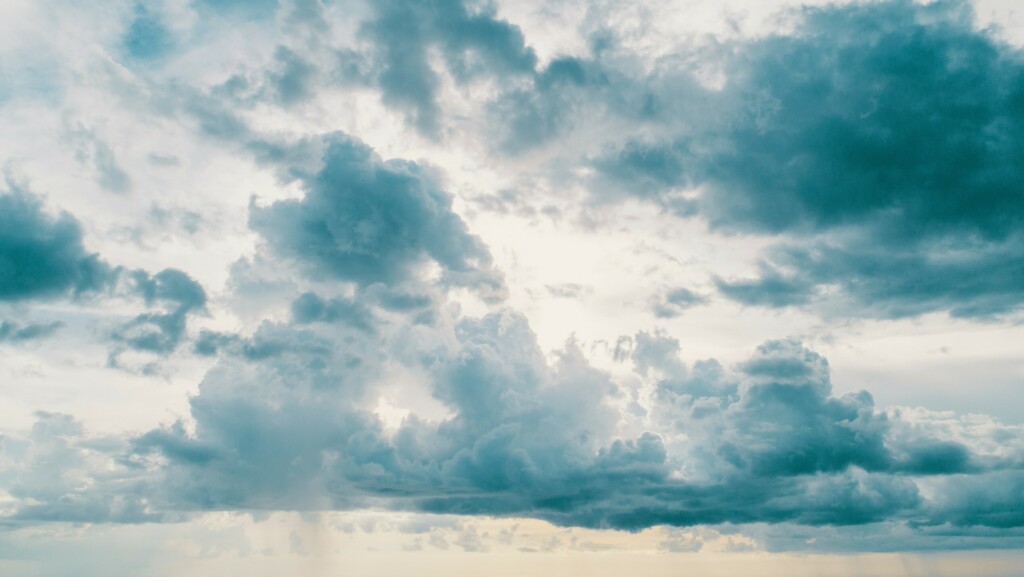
463 287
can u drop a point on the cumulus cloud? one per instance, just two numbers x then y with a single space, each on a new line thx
676 301
882 139
13 332
366 220
43 258
879 142
41 255
292 425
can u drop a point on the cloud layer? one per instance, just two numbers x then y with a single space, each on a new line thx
363 350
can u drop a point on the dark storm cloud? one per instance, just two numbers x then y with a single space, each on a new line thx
41 255
371 221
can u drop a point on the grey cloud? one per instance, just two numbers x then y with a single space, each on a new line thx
882 139
968 278
676 301
772 288
900 114
147 37
473 44
164 159
66 475
90 148
285 419
42 256
310 307
290 425
13 332
170 285
567 290
397 299
370 221
240 8
882 536
529 117
787 423
288 79
640 169
209 343
679 386
989 500
306 15
161 332
292 79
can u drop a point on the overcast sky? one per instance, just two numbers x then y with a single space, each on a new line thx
459 287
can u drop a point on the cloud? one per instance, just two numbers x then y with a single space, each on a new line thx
879 142
64 474
90 148
12 332
567 290
42 256
901 116
147 37
161 332
286 421
916 215
472 44
243 9
888 281
640 169
288 79
676 301
366 220
529 117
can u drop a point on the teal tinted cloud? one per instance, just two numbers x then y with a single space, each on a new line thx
883 140
369 221
41 255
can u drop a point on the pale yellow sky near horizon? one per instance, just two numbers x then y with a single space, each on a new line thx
379 544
